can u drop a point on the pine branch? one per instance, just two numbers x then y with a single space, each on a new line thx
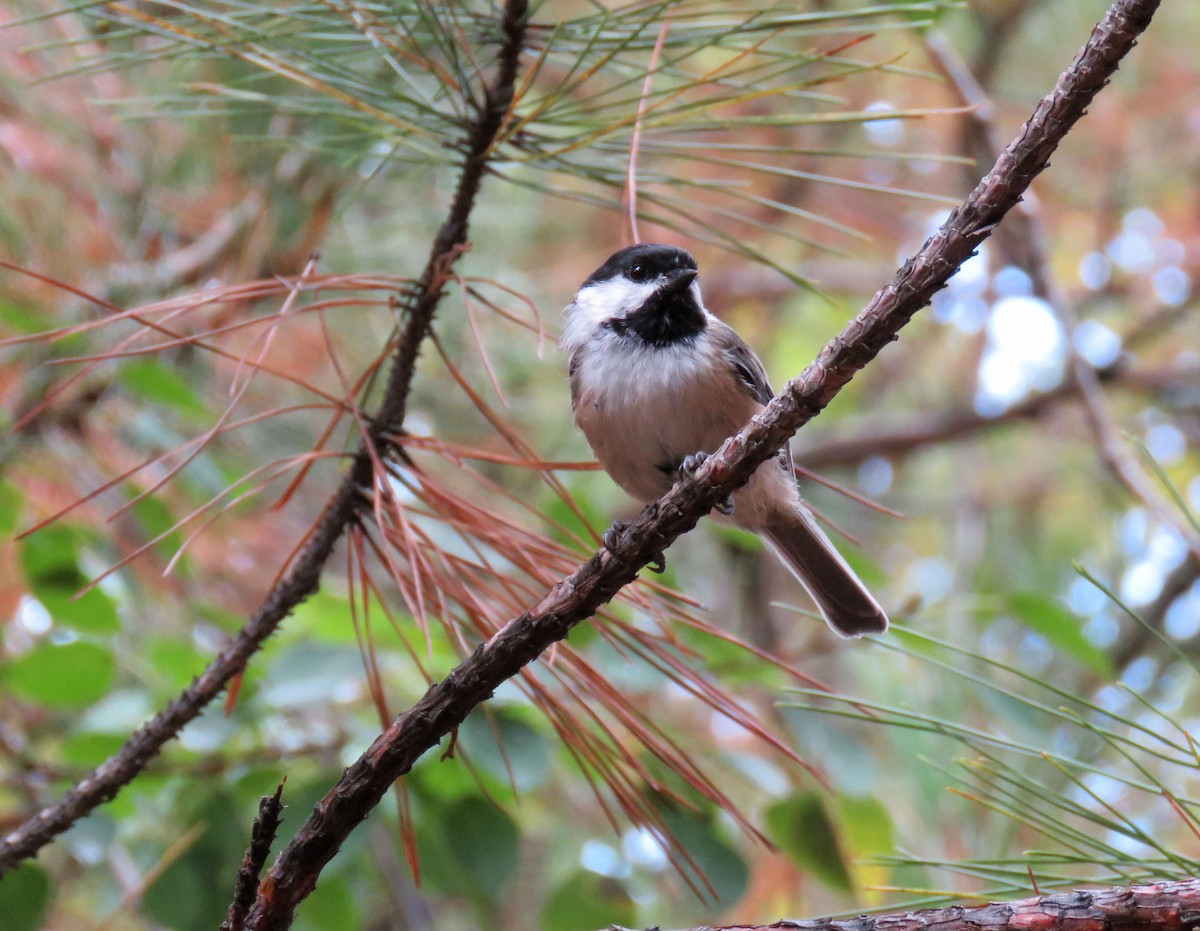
576 598
270 815
344 507
1155 907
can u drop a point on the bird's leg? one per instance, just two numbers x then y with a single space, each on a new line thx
688 468
609 539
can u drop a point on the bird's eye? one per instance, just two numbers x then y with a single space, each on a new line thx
639 273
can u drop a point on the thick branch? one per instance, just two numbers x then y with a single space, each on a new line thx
448 702
1156 907
343 508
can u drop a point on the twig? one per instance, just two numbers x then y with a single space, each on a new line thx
270 815
447 703
889 438
342 510
1153 907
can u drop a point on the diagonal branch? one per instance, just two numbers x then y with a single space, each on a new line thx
343 509
576 598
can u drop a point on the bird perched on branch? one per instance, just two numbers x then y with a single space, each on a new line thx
657 382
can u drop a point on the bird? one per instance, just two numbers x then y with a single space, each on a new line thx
658 382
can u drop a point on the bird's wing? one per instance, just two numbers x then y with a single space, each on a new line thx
573 376
749 372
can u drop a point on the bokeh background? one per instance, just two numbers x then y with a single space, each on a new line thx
707 749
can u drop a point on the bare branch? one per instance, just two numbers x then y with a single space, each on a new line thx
1156 907
270 814
447 703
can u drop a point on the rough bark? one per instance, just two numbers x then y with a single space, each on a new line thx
1155 907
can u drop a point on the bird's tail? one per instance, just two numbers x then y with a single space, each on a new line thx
842 599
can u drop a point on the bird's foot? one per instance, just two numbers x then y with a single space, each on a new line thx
689 465
657 564
609 537
688 468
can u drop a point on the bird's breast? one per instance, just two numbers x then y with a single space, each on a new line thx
643 409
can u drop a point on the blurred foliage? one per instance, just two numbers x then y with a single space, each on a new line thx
187 161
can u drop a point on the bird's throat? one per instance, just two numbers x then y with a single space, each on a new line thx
666 318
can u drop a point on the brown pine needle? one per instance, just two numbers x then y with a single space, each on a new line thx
472 323
850 493
537 326
155 460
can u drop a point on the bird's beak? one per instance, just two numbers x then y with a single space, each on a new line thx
679 280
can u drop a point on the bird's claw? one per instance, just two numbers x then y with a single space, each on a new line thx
609 537
658 564
688 468
689 465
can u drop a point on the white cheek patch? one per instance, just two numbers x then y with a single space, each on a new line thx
600 302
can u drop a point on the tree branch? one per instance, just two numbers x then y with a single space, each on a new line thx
344 506
270 814
891 438
1156 907
447 703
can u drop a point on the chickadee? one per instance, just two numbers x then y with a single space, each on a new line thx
656 380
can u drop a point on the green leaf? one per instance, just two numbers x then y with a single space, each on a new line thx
192 893
92 612
325 616
1059 626
506 747
435 782
332 906
51 567
69 676
802 828
20 319
49 558
90 748
483 842
10 508
156 519
586 901
867 835
153 381
866 825
24 896
720 863
174 660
